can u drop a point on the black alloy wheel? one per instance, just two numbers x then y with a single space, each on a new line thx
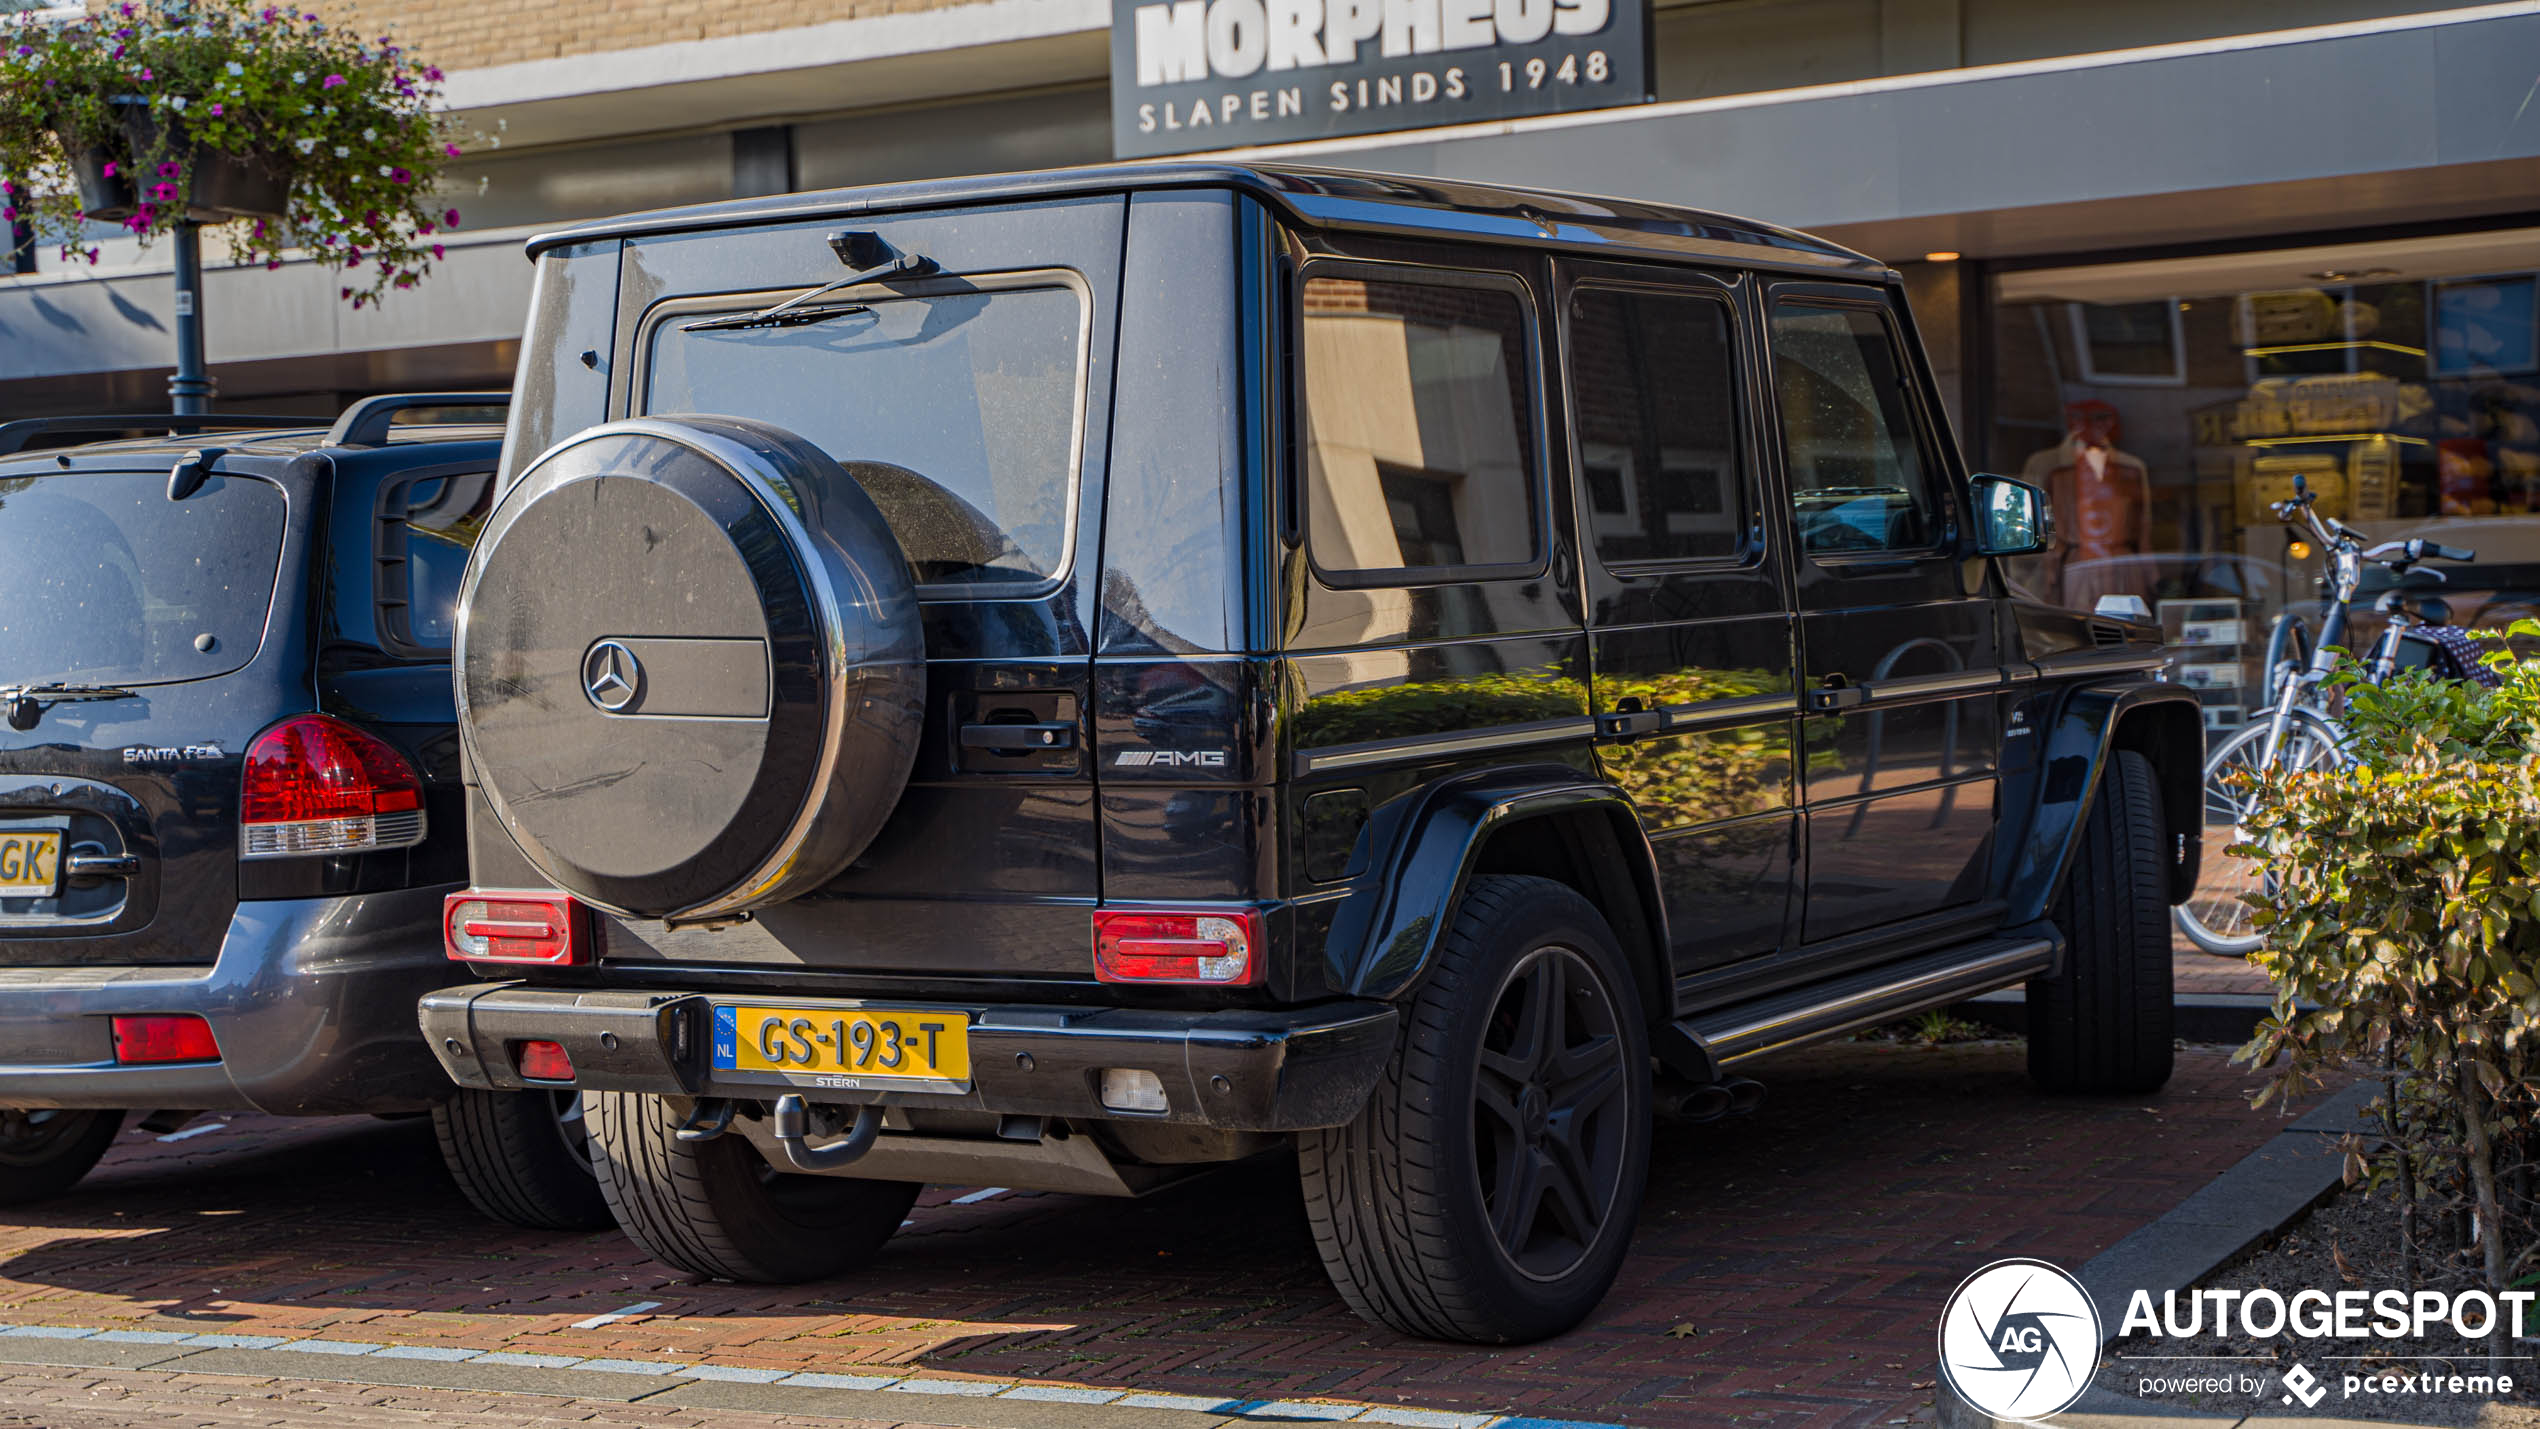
1487 1190
1548 1145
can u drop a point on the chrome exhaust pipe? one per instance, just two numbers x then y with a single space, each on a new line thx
793 1132
1745 1095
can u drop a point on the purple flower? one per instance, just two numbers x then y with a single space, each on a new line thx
450 219
8 215
436 251
400 176
450 149
331 81
146 76
216 111
168 169
271 14
110 168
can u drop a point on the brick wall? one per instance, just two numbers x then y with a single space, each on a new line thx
470 34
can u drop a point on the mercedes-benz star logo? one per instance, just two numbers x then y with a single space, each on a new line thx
2019 1340
611 675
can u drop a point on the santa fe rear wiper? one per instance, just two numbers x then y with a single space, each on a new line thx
27 703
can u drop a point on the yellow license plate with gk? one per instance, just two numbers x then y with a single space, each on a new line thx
850 1047
30 864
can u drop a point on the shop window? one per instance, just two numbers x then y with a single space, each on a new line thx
2398 378
1654 389
1418 442
1857 480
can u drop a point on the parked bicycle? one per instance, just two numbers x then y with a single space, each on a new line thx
2299 730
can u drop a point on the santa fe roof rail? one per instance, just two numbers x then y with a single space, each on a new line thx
366 422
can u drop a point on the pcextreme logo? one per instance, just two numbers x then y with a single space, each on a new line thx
2019 1339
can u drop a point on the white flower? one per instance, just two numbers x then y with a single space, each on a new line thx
305 145
177 104
383 171
236 69
343 153
299 76
371 134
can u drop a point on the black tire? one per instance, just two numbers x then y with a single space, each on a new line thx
44 1153
522 1158
718 1209
1402 1199
2103 1023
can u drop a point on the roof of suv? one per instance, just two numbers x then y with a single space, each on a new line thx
1327 198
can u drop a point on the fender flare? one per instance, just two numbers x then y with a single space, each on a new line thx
1427 844
2055 782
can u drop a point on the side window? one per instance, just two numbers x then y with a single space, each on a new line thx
1654 386
1418 449
426 528
1857 479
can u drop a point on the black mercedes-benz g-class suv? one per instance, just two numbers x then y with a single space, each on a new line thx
229 797
1070 679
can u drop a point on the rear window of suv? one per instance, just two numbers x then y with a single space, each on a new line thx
104 581
957 410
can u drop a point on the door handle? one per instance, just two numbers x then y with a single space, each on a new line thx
100 865
1836 696
1019 738
1630 724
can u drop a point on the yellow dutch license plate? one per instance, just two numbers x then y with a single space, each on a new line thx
848 1047
30 863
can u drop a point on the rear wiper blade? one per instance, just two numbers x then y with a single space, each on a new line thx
783 315
27 703
872 260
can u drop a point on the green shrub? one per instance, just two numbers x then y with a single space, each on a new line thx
2401 910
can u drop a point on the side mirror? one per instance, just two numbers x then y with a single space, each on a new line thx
2012 518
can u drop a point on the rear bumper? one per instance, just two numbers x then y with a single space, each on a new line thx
1236 1070
311 1001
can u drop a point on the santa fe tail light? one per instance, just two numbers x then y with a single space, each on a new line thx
545 928
316 785
1218 946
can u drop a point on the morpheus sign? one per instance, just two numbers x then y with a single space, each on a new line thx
1190 75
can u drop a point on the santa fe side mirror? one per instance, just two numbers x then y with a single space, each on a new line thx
2012 517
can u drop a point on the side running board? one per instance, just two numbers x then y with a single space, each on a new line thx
1866 998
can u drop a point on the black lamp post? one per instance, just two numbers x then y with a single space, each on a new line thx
190 387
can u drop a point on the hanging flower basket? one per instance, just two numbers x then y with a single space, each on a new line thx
301 139
219 185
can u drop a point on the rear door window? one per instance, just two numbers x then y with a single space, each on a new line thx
959 410
1419 432
104 581
1653 383
427 527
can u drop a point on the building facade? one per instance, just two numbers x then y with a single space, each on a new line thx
2168 254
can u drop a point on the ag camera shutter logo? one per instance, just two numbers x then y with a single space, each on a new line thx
2019 1339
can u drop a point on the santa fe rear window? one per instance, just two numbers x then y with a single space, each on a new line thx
959 411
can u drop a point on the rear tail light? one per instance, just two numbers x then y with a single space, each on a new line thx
1218 946
175 1038
542 1061
317 785
548 928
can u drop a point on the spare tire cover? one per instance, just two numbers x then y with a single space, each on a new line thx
691 674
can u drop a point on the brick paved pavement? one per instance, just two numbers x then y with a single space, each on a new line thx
1804 1251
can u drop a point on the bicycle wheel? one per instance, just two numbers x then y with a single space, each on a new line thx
2214 918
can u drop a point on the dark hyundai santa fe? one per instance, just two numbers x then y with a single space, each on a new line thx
229 799
1072 680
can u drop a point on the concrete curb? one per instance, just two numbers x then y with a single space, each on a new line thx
2217 1018
880 1395
2256 1197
